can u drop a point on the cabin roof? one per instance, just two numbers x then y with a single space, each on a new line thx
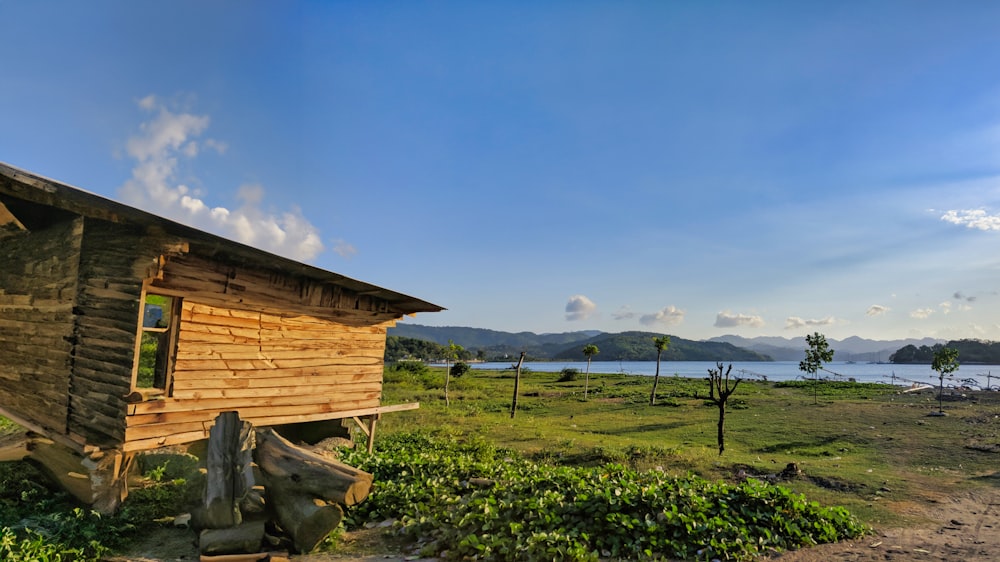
26 185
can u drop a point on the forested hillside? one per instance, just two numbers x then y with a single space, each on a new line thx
972 352
638 346
491 345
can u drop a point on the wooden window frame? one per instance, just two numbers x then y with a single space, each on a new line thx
172 329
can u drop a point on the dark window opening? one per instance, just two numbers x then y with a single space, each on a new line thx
159 318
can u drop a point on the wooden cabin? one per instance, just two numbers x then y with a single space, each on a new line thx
121 331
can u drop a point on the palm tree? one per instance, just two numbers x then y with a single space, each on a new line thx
661 343
589 350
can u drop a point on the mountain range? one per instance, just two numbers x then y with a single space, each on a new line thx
637 346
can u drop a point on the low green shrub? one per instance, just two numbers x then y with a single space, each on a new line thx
475 501
568 374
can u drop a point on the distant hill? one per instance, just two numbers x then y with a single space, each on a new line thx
848 349
495 344
638 346
626 346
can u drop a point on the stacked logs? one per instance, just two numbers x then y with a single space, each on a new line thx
258 481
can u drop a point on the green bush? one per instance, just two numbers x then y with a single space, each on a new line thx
460 368
568 374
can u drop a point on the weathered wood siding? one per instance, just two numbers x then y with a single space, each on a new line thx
38 285
272 368
107 314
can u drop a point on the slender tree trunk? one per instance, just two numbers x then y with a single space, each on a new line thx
586 380
656 379
447 379
722 428
517 384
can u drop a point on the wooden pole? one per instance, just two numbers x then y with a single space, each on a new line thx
517 384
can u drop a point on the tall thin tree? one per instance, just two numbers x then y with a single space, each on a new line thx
661 343
817 353
453 351
590 350
945 362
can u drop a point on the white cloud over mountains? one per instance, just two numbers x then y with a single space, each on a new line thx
579 307
158 148
794 322
877 310
667 316
727 319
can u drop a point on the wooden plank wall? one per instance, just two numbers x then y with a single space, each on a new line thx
38 282
272 368
107 316
222 284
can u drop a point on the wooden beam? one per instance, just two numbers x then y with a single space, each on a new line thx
189 435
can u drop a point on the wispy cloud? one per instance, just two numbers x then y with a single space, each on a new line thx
973 218
794 322
579 307
962 297
344 249
158 148
624 313
921 313
667 316
727 319
877 310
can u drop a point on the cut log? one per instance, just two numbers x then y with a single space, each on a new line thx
243 538
306 519
230 477
291 467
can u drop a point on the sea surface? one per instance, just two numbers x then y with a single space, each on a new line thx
973 376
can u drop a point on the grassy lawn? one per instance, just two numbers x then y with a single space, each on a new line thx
868 447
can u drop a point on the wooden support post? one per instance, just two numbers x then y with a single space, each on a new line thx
372 420
97 480
230 476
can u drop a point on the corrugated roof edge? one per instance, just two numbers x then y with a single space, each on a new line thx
89 204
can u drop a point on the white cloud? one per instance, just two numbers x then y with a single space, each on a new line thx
794 322
624 313
877 310
158 148
668 316
921 313
973 218
729 320
945 307
579 307
343 249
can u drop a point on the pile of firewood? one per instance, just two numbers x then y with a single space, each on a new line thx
263 492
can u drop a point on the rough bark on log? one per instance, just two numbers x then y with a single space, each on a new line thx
242 538
306 519
288 466
230 475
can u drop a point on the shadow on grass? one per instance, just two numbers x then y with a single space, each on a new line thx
642 428
798 445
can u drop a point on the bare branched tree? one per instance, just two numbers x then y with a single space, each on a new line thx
719 392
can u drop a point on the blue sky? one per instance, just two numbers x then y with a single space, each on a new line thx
690 168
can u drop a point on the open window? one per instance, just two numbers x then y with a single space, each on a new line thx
160 315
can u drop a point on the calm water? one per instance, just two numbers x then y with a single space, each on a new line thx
905 375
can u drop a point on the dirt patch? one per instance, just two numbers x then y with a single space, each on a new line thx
958 528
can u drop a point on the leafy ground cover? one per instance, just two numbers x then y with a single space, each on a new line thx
472 501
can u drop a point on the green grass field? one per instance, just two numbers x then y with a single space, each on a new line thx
868 447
